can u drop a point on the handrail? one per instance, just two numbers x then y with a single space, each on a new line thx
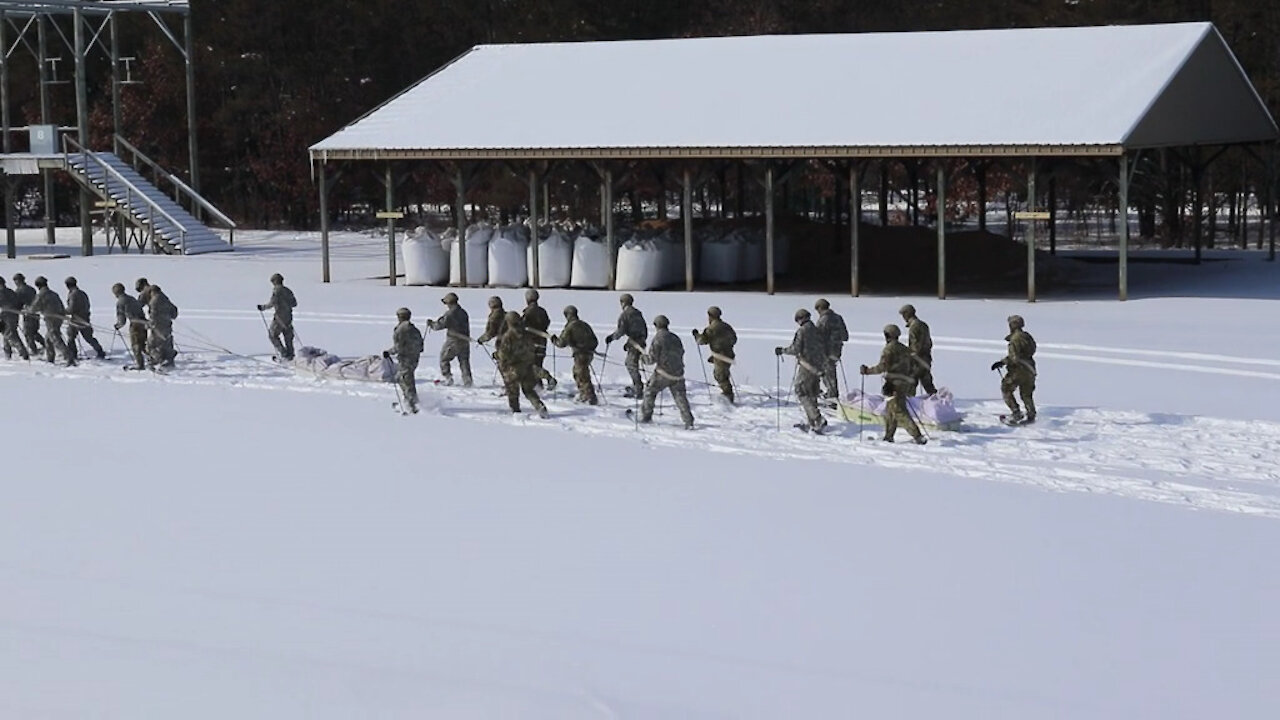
88 154
194 196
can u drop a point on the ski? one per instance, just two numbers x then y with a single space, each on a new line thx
1011 422
804 427
401 409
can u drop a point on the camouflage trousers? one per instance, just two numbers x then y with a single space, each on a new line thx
582 376
896 412
31 332
53 341
281 335
922 366
80 329
539 359
460 350
806 387
721 374
1024 381
138 343
679 395
11 339
829 377
523 380
160 344
632 364
406 378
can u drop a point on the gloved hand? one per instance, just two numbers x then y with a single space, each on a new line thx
118 326
777 350
997 365
695 333
555 340
386 354
862 369
608 339
261 308
494 355
431 324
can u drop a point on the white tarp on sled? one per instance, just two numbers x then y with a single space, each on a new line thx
426 262
934 412
372 368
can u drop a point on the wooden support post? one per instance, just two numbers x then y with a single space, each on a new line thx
1031 233
50 211
82 126
1124 227
1053 215
981 171
324 224
10 237
855 219
608 227
1271 204
768 227
391 228
942 232
686 211
533 225
460 218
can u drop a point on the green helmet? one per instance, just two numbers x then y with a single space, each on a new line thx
71 281
907 311
41 282
513 319
570 312
661 322
495 303
531 296
802 315
403 314
450 299
1016 322
277 279
626 299
117 289
19 277
892 332
822 305
713 312
140 285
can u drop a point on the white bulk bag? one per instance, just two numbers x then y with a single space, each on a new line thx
721 260
555 260
590 263
751 265
640 266
425 261
478 237
507 252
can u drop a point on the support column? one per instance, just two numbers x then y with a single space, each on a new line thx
391 228
115 77
942 232
1031 233
608 227
533 225
1124 227
192 125
1053 215
686 212
50 211
1271 204
768 227
460 218
855 219
324 223
10 236
82 124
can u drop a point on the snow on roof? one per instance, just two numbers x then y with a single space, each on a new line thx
1094 87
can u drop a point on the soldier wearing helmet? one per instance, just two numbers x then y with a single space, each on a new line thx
537 323
129 312
920 343
457 342
282 302
495 323
1020 364
720 339
631 325
899 384
581 341
10 306
666 354
810 350
834 335
406 345
30 320
48 306
78 321
516 362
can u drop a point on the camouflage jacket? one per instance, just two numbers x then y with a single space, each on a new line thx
535 318
720 337
578 337
833 331
283 302
9 302
919 339
515 351
48 304
1022 350
631 325
809 347
78 305
159 307
26 295
667 354
493 326
895 363
456 322
128 311
406 341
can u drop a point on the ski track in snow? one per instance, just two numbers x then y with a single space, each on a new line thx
1173 459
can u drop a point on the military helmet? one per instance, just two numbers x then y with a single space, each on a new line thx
2 281
117 289
140 285
71 281
822 305
626 299
661 322
41 281
513 319
570 311
531 295
450 299
403 314
802 315
907 311
892 331
1016 321
277 279
495 303
713 312
19 277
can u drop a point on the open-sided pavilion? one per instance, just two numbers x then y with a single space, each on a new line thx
1110 92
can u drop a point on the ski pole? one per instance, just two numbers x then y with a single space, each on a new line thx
705 381
555 382
843 376
862 403
777 389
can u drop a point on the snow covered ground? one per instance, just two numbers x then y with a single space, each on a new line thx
234 540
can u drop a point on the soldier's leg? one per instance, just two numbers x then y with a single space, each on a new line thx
808 387
12 340
447 353
651 398
680 394
407 375
288 341
904 410
1007 385
829 379
721 375
31 331
53 342
511 385
274 331
138 343
529 386
1026 389
926 377
93 342
464 363
632 364
73 349
582 376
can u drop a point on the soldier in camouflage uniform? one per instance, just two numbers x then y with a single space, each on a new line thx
282 302
666 353
30 321
920 342
457 343
129 312
406 345
899 384
10 306
49 306
536 325
161 312
834 334
581 341
517 364
720 339
496 322
1020 375
811 352
631 326
78 323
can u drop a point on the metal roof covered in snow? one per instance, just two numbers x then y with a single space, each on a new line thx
1044 91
